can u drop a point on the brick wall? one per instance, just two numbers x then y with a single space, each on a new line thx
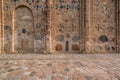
102 26
60 26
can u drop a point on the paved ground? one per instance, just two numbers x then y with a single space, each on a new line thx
60 67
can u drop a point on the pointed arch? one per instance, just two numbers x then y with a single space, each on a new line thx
25 21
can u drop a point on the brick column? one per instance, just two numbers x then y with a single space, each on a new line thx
88 22
52 24
118 23
2 26
82 26
117 12
50 34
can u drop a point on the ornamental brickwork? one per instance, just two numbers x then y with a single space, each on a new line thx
59 26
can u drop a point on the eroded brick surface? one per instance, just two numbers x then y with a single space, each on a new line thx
103 25
60 26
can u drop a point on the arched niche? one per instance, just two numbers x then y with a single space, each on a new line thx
23 30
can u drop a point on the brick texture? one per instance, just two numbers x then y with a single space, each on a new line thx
55 26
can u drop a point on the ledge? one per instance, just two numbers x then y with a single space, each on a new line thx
64 56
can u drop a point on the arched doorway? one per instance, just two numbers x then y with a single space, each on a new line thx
23 30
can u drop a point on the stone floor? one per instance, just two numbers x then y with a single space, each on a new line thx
60 67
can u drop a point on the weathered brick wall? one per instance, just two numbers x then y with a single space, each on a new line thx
66 25
25 26
60 26
102 26
7 25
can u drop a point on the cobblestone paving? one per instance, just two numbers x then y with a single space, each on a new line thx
60 67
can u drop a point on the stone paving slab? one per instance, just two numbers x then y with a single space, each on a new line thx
74 67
